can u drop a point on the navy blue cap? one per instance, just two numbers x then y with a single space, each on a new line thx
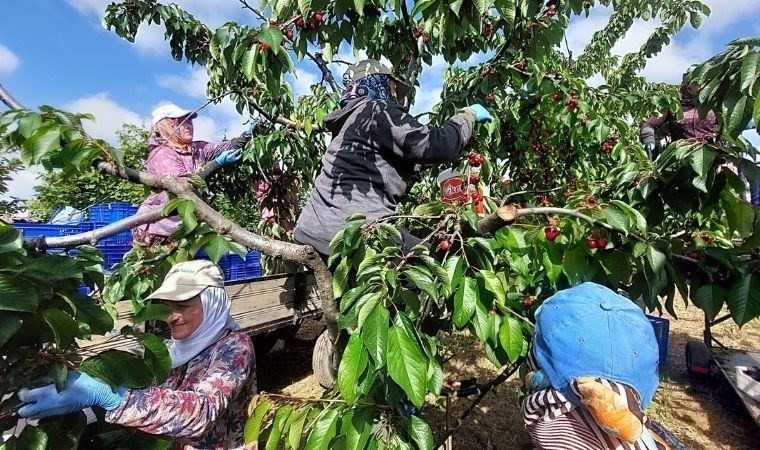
590 331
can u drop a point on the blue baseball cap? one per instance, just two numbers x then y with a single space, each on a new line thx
590 331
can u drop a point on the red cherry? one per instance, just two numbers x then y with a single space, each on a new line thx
289 33
528 301
319 16
263 47
487 31
425 38
572 104
592 244
443 245
474 178
601 243
479 208
490 98
551 233
299 22
590 200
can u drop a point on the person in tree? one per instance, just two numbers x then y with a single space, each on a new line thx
375 154
691 126
172 151
202 404
592 371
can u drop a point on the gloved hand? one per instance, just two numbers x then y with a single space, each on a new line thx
649 147
240 141
81 391
252 128
230 156
481 113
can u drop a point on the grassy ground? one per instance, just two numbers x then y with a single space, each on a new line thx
705 414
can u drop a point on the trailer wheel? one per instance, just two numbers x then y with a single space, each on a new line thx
698 359
325 360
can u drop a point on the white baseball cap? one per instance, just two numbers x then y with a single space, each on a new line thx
187 279
171 111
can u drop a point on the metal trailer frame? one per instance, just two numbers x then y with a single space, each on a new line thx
711 356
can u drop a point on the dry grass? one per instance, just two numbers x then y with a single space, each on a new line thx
704 414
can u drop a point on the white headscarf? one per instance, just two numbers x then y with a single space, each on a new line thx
216 320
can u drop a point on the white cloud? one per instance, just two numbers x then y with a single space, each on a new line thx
9 62
191 83
22 184
109 116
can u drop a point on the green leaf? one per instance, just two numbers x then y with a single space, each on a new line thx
406 362
50 268
441 276
272 36
304 6
744 299
357 426
481 322
454 268
64 327
493 284
617 218
118 368
340 278
248 64
216 247
186 210
420 433
275 435
10 323
656 259
421 279
156 356
152 311
709 298
32 438
465 299
756 114
701 161
511 338
323 430
375 334
252 428
750 71
636 217
43 141
575 266
295 430
352 364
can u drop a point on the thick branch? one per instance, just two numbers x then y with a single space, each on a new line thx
92 237
491 223
8 99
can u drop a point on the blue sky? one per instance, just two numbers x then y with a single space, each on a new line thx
56 52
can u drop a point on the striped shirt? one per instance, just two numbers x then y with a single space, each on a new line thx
555 423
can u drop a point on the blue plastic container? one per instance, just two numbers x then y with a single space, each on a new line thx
236 268
111 212
84 290
33 230
662 332
113 254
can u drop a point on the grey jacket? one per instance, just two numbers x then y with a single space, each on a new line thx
371 163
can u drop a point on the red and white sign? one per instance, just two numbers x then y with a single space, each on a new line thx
453 189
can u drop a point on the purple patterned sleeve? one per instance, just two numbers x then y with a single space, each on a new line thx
193 411
210 150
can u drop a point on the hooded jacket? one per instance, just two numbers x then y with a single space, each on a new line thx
371 163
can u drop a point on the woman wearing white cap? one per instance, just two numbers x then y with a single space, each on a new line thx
202 405
172 151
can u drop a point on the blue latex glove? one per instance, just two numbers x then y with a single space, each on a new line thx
230 156
81 391
649 147
481 113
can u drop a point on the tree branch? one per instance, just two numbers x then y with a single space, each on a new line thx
8 99
92 237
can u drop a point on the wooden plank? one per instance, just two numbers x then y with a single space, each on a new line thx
258 306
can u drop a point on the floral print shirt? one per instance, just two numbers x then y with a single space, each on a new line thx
203 404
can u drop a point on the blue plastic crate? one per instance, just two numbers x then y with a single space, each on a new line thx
111 212
84 290
662 332
113 254
122 238
236 268
33 230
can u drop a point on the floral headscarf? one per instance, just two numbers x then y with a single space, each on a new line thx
376 86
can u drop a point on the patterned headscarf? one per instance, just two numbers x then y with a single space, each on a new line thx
376 86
